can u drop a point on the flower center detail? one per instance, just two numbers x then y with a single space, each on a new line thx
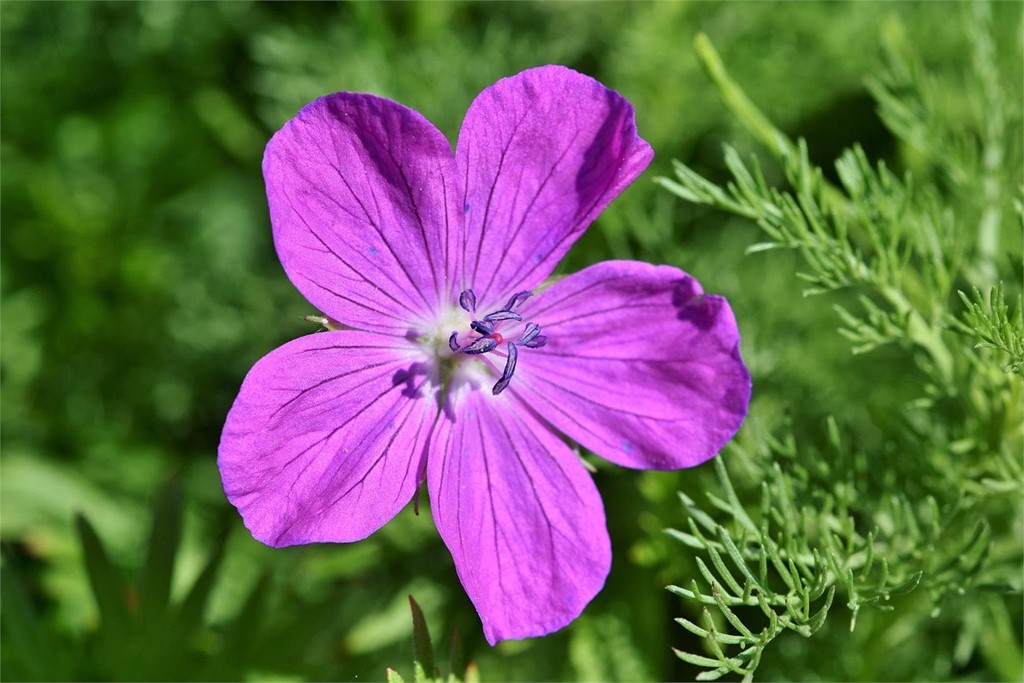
484 335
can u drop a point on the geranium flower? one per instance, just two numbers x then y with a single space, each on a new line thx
449 361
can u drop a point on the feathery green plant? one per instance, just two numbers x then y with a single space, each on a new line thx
940 508
139 283
994 325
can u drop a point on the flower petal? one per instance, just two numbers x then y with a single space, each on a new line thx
360 191
640 367
520 515
326 439
541 154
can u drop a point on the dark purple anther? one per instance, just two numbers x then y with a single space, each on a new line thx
482 327
510 369
481 345
453 341
536 342
517 299
468 300
498 316
529 333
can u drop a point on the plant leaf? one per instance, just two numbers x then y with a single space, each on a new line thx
158 570
108 585
421 640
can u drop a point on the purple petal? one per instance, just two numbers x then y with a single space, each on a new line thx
520 515
640 366
326 439
541 154
361 192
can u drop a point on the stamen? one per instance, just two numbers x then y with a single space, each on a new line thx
468 300
530 333
482 327
517 299
498 316
510 369
481 345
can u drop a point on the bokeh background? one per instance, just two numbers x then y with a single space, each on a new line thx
139 284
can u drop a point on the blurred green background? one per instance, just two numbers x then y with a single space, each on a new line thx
139 284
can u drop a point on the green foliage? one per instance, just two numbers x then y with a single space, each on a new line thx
142 634
787 561
994 326
139 284
424 670
845 522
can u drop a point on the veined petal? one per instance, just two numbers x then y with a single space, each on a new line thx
540 154
361 191
641 367
520 515
326 439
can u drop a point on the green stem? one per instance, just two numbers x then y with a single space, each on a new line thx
752 118
1000 648
925 335
992 149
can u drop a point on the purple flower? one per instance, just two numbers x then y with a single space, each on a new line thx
456 365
